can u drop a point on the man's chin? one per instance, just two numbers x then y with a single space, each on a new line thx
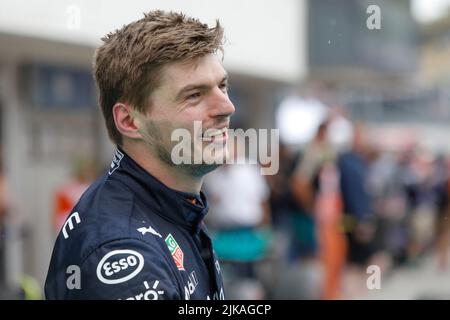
201 169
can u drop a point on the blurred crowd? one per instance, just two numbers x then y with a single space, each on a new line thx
312 230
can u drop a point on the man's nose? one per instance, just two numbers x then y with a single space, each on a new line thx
223 104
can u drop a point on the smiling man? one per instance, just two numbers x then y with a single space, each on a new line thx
138 232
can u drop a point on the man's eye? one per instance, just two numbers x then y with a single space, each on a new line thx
194 96
224 87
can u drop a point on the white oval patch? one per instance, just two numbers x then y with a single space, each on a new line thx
106 268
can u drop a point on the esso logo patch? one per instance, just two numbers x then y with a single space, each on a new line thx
119 266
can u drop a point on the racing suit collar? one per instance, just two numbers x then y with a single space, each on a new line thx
183 208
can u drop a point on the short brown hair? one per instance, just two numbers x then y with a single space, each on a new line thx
127 65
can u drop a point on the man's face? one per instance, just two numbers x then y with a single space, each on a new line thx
188 92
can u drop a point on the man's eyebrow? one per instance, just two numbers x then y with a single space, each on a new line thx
198 86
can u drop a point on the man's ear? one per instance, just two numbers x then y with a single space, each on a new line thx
126 120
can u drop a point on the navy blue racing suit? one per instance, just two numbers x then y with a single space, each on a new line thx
131 237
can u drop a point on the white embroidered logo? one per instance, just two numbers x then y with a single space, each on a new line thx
144 230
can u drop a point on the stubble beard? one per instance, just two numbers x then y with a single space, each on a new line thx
155 142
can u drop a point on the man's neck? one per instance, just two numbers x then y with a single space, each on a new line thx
170 176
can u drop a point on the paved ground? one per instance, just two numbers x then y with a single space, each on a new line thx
423 281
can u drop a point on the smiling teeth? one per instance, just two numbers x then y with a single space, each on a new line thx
211 132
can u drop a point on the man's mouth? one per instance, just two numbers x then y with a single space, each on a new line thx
215 135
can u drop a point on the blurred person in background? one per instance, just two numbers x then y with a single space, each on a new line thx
282 201
240 219
423 189
359 220
304 184
68 194
389 204
294 273
442 225
283 205
332 243
317 235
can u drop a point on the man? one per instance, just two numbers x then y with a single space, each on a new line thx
359 222
138 232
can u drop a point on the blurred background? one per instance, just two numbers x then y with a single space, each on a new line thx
359 90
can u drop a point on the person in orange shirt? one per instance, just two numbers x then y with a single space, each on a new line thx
67 194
